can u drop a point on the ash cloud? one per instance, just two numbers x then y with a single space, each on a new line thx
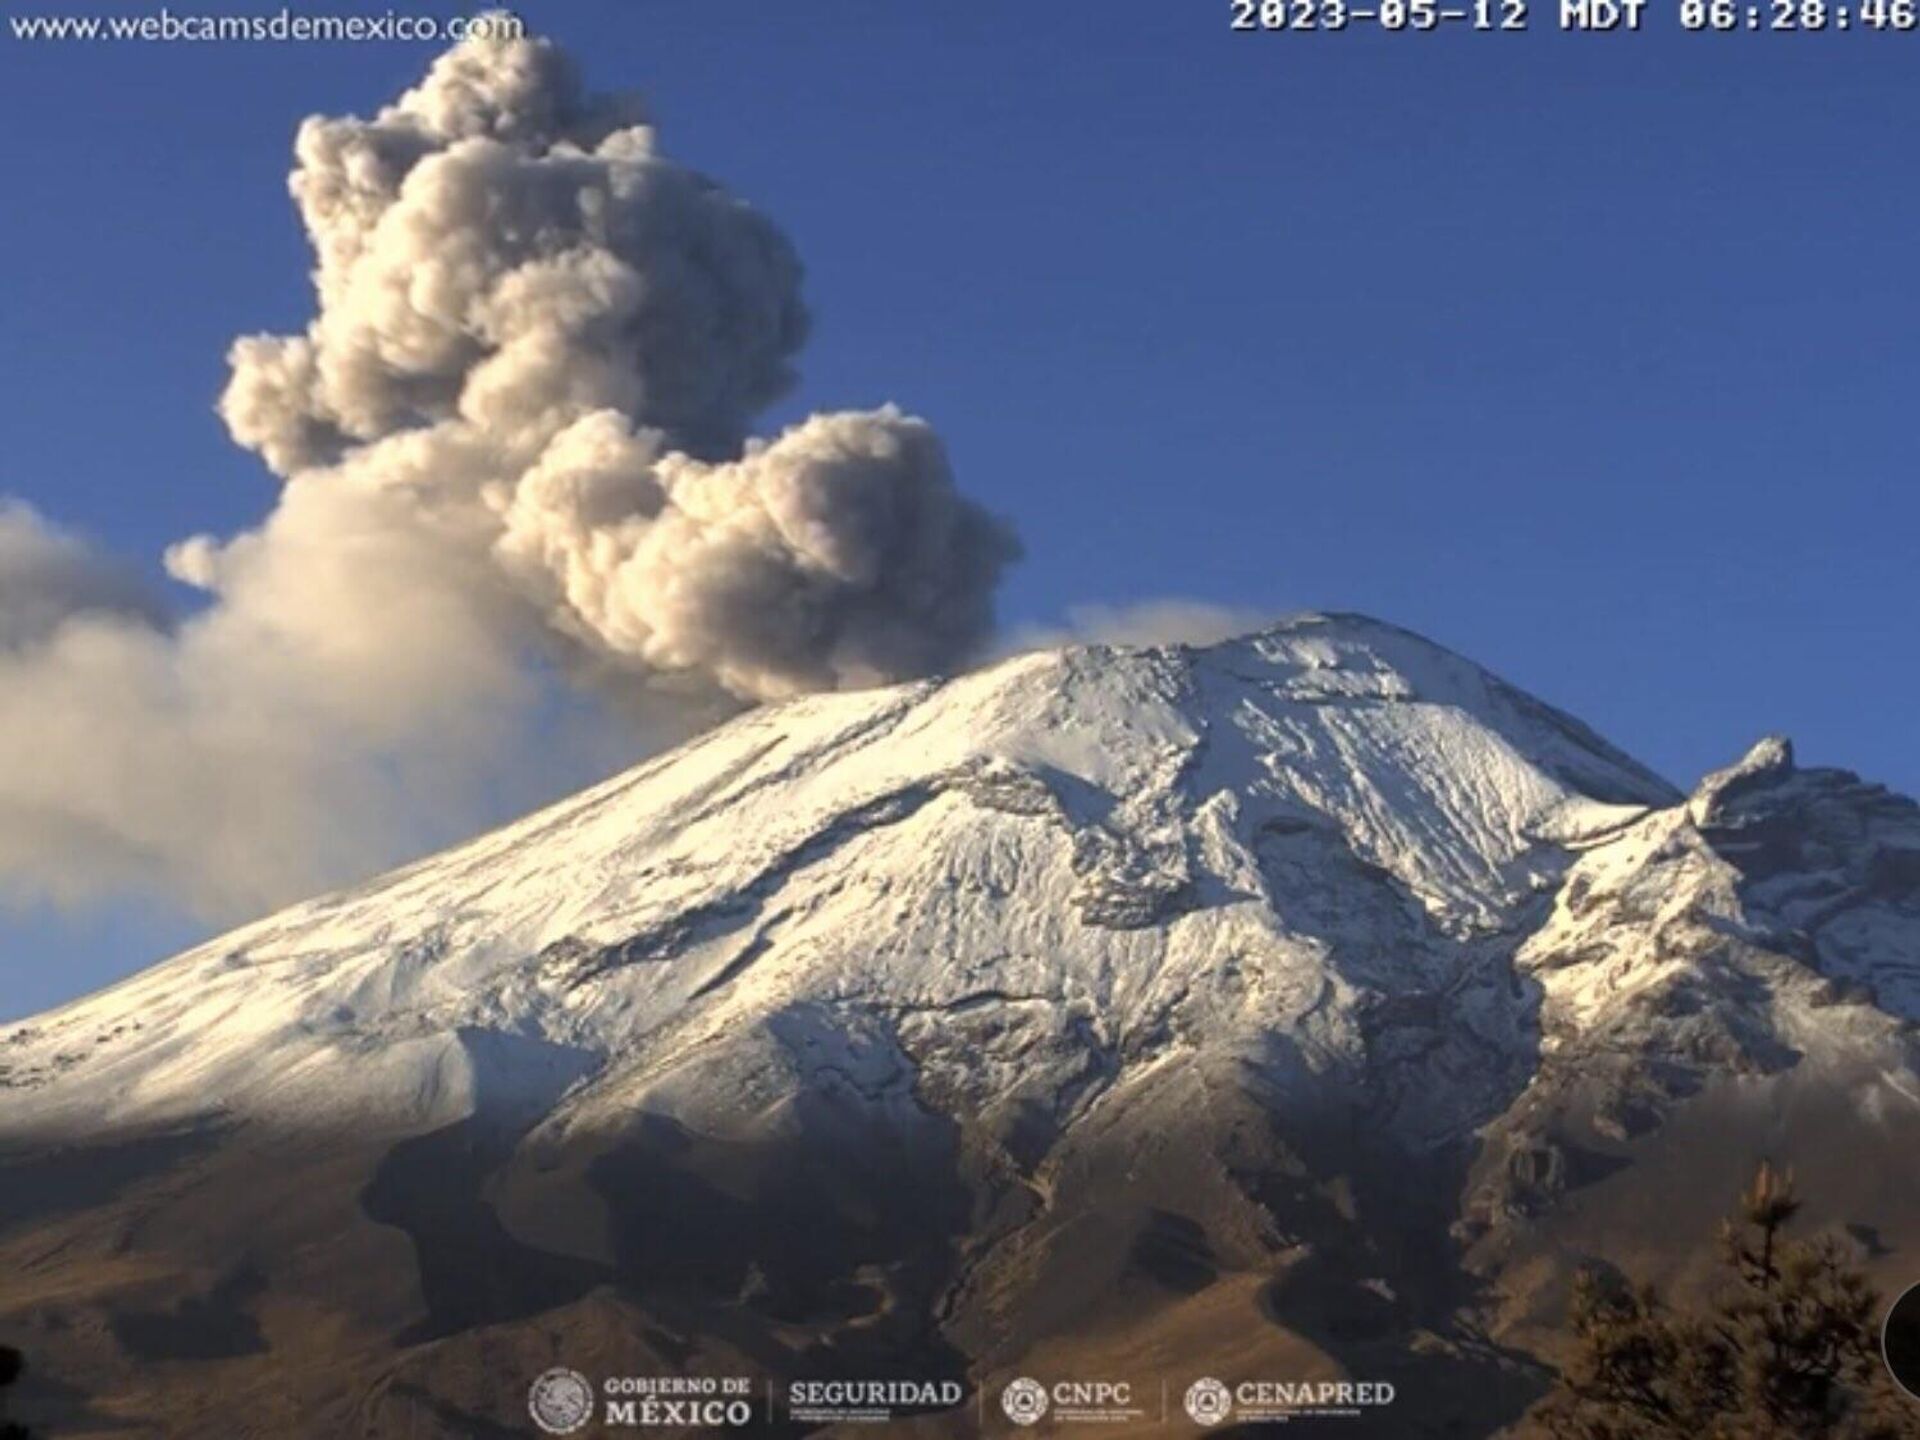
1168 620
516 443
551 341
48 577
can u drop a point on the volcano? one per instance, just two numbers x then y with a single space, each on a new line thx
1302 1007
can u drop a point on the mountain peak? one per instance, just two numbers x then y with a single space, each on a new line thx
1768 762
1097 822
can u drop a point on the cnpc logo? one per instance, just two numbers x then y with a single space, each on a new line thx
1027 1401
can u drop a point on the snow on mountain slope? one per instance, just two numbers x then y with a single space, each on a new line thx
1813 868
1763 938
1315 992
1032 887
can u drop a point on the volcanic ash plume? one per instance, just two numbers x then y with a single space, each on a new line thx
517 443
551 341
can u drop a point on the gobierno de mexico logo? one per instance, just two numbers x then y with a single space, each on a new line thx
560 1401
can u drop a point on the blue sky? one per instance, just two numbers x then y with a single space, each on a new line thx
1592 357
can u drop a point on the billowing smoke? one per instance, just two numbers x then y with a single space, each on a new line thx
837 554
48 577
517 444
1168 620
549 342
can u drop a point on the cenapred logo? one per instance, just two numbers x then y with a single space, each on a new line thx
1263 1402
1208 1401
1025 1401
561 1401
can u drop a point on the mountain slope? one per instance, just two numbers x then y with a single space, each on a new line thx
1306 989
1114 790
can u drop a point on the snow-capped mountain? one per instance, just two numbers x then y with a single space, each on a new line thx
1102 843
1322 955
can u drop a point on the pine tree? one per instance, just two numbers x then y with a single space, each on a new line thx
1788 1350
